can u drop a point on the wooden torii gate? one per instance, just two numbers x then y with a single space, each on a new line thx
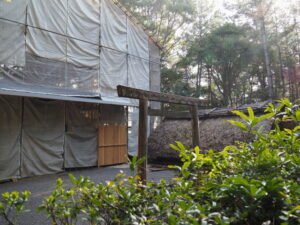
144 98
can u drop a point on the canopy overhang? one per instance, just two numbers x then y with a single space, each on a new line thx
48 93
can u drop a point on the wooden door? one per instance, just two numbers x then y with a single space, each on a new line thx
113 145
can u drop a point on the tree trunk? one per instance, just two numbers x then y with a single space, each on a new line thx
281 70
264 41
209 86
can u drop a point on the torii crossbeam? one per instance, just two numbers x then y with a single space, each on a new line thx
144 98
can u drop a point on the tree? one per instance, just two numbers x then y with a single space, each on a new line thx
164 18
226 53
257 10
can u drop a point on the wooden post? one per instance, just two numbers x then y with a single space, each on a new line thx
143 140
195 125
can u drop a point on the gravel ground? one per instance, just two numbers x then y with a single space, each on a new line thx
42 186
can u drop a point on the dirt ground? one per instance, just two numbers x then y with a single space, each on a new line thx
42 186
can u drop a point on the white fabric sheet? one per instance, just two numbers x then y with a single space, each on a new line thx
13 10
133 131
137 41
81 135
49 15
47 45
83 54
43 137
155 78
138 73
113 72
154 52
84 24
44 72
52 16
75 64
113 26
82 78
12 44
10 134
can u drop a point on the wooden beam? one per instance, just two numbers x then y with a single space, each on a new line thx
169 114
195 126
134 93
203 114
142 139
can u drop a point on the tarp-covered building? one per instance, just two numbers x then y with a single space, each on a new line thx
60 63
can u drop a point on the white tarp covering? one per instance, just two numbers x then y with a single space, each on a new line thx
82 78
12 35
113 26
42 137
44 72
50 73
10 134
62 53
41 42
113 72
154 52
137 41
83 24
81 135
133 132
84 20
49 15
84 45
138 73
154 71
14 10
154 80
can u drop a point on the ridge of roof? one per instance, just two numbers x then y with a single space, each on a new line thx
137 23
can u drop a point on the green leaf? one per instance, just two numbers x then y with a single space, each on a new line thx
254 122
174 147
251 113
172 220
241 114
266 116
73 179
286 102
41 208
297 115
180 145
238 124
186 165
140 161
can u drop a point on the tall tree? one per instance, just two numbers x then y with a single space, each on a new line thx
257 10
225 53
166 19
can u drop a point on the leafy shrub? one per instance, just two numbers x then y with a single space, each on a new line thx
250 183
12 205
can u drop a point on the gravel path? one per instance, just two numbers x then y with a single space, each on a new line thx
43 186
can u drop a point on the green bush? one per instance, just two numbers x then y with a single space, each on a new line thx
12 205
250 183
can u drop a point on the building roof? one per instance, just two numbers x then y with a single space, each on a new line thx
31 91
